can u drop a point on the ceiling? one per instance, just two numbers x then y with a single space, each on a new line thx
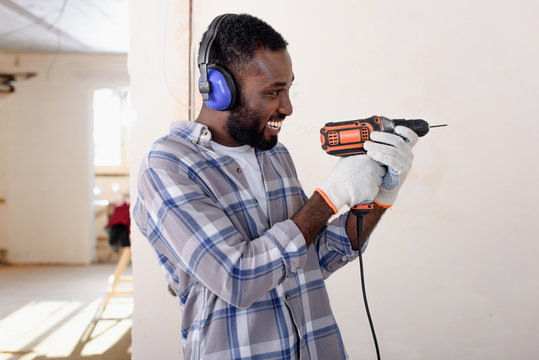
64 26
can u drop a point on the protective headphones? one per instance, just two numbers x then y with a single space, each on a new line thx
216 84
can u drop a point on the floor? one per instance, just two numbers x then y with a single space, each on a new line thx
56 312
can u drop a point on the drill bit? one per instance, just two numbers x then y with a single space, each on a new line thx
440 125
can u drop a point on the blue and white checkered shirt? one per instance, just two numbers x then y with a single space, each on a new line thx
248 286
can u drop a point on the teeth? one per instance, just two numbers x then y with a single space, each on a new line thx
275 124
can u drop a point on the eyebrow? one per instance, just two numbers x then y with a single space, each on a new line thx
283 83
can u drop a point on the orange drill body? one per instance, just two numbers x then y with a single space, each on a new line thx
346 138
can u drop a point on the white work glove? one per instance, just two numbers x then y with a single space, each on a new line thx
394 151
354 180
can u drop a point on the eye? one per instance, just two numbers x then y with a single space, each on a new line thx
274 92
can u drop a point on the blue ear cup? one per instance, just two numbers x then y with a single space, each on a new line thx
223 89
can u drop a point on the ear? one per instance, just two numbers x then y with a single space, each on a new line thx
223 92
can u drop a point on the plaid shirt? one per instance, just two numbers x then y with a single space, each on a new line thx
248 286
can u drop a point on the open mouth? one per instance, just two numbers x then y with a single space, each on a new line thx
275 125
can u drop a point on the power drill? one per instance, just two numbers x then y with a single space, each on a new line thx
347 138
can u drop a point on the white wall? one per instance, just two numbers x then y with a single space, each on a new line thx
159 71
452 268
46 155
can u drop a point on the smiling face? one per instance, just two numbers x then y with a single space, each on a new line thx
264 100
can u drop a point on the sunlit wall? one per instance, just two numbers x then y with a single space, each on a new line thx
452 268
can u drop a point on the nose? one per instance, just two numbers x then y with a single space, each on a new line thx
285 105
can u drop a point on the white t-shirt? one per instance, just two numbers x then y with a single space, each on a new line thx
245 156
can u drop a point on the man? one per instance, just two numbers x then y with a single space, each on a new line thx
220 202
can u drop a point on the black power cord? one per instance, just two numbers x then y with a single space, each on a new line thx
359 219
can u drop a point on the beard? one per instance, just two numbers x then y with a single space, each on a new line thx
247 126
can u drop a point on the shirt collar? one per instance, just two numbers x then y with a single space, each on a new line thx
191 131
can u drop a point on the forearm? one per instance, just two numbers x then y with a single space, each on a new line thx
316 212
369 223
312 217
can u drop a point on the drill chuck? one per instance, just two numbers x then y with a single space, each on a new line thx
420 127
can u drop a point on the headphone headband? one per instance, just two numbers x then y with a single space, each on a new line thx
204 85
205 47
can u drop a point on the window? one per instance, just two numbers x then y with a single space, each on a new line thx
112 117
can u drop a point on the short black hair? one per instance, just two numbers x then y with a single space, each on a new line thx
237 40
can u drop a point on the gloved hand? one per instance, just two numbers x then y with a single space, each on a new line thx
354 180
394 151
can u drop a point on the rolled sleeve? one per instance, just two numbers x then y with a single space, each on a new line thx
335 249
291 243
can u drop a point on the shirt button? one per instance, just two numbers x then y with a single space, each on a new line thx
204 133
287 297
238 170
193 141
